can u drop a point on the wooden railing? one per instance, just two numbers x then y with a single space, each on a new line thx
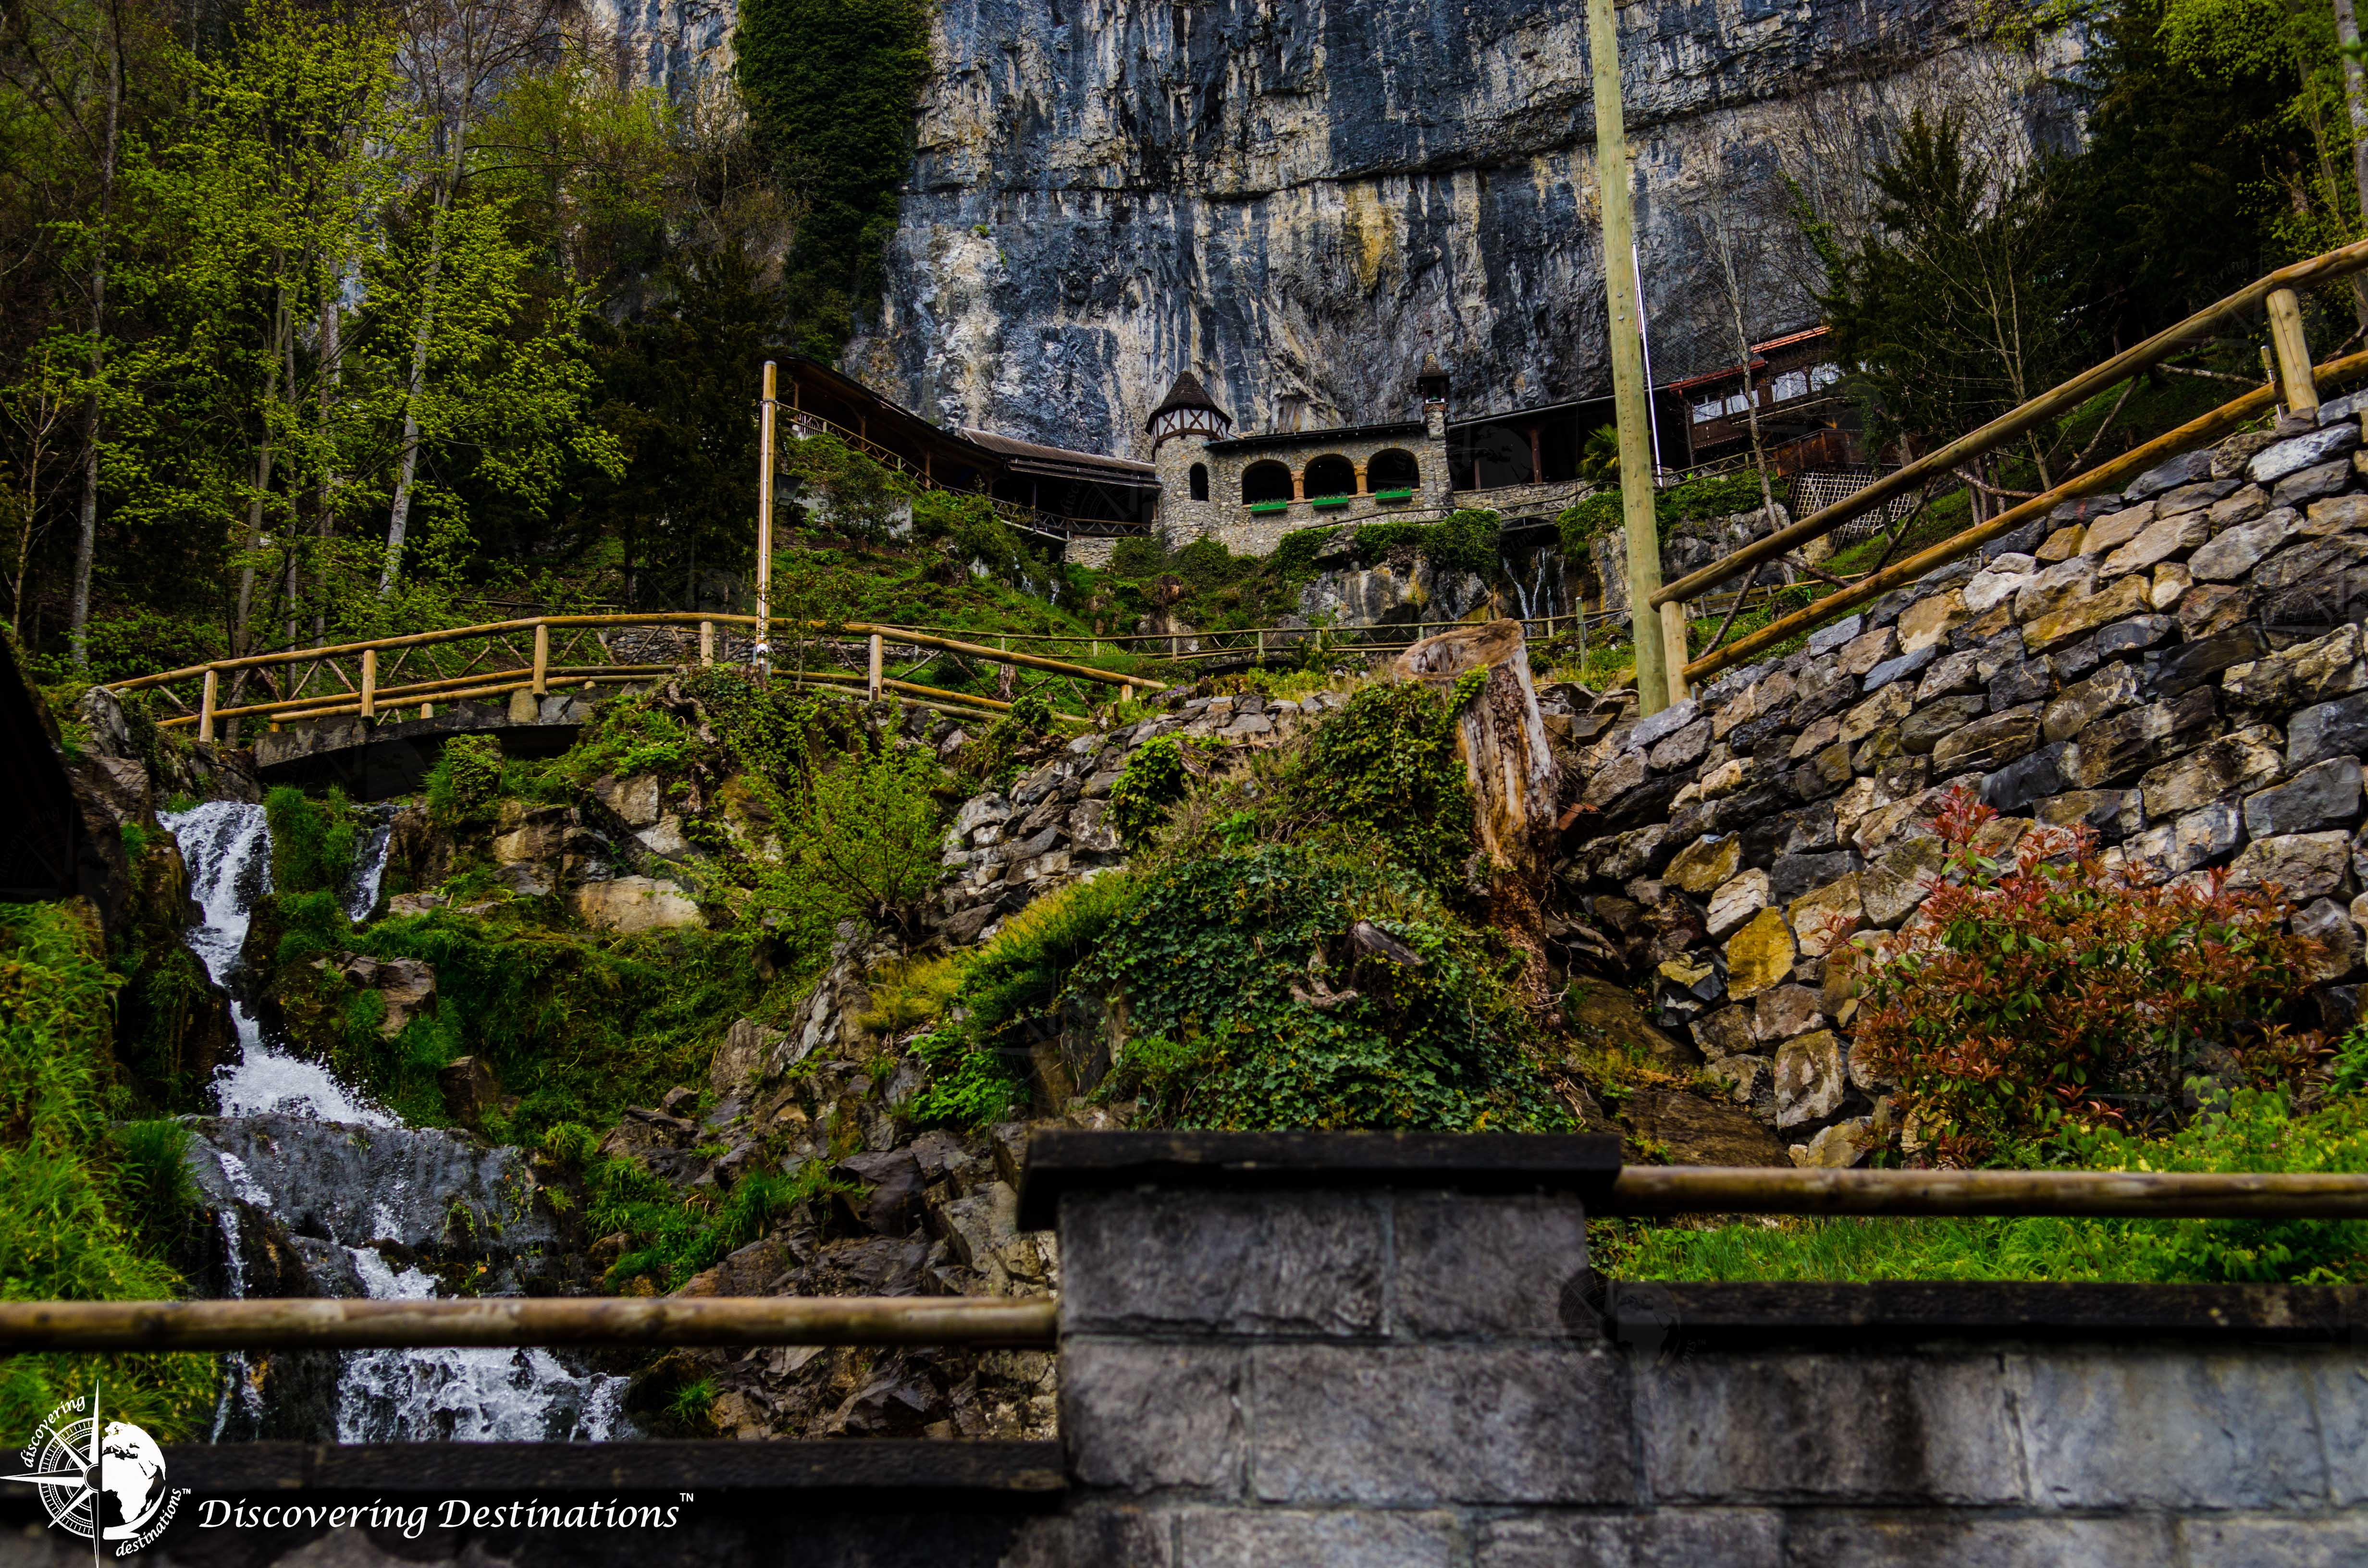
2298 378
539 650
1028 520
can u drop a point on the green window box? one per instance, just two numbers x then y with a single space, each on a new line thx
1269 506
1330 501
1393 495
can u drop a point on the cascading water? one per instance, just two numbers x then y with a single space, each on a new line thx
352 1183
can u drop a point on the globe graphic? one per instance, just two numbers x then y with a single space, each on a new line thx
132 1479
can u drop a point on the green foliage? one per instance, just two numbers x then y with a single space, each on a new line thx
1154 779
830 87
1294 554
1385 767
1014 986
1949 309
1249 1004
1140 557
1464 541
849 492
868 831
671 1236
692 1404
2050 992
466 779
968 525
1698 500
85 1214
579 1025
2250 1130
311 841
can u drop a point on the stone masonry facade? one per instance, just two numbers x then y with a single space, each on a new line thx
2178 666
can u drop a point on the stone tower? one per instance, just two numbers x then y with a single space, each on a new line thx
1181 427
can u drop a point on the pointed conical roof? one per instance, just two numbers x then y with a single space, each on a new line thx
1188 392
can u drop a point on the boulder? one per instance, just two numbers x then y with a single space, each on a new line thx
637 801
471 1089
1988 744
629 906
1735 901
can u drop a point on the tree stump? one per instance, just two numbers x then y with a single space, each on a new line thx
1502 739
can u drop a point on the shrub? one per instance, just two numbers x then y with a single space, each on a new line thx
2052 991
1139 557
1016 983
466 779
969 523
311 841
1464 541
83 1215
867 830
1385 765
1154 779
1294 555
1249 1004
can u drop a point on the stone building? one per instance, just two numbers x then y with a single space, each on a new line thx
1249 491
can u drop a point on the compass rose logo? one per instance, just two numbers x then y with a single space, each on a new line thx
101 1480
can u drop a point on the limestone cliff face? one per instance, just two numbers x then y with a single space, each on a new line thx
1302 197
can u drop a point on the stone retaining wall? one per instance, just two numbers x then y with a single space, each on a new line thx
2179 667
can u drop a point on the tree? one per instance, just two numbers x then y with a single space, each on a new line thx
1954 307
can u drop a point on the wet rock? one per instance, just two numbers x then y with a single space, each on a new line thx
471 1089
892 1186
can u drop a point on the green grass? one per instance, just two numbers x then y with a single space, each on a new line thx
2253 1131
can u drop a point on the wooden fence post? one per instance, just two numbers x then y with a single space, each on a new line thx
542 657
706 642
1673 641
369 682
2294 354
206 709
871 679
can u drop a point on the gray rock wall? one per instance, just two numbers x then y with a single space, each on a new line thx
2179 667
1301 200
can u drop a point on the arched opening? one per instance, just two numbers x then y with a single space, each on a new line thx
1199 481
1393 469
1331 475
1265 482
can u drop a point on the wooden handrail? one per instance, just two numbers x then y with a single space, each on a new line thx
2105 476
2337 263
2155 1195
1021 1323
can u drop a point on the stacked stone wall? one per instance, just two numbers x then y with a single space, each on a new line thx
2179 667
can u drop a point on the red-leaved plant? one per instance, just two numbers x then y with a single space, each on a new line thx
2052 988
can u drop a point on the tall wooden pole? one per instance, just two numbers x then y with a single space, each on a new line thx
1628 390
763 652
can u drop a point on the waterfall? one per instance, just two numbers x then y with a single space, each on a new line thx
228 848
310 1147
370 870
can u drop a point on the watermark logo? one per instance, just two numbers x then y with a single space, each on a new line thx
101 1480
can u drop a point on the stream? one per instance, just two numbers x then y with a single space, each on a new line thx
369 1206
